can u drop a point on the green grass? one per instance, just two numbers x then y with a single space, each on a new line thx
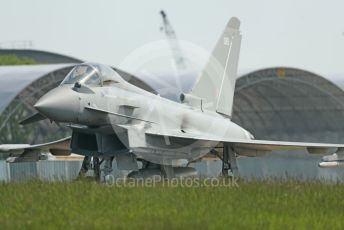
14 60
87 205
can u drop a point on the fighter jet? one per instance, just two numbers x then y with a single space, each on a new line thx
111 118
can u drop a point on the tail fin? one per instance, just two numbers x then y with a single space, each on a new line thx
216 84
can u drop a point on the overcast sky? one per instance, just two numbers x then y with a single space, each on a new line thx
307 34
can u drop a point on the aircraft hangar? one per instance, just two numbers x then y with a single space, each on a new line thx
274 103
290 104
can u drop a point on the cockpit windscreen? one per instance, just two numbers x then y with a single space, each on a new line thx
92 74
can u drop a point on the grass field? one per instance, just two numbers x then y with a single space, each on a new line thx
88 205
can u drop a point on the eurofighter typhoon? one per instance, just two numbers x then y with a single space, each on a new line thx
113 119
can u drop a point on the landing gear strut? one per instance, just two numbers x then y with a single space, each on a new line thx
86 165
229 161
96 168
107 167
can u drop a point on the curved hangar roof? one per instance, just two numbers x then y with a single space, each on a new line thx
289 104
15 78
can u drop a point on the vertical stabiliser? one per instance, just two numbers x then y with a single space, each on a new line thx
216 84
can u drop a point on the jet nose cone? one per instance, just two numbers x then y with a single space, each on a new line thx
60 104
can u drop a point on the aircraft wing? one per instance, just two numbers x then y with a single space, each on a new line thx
252 147
59 147
264 145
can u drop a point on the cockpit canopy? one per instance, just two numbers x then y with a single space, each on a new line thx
92 74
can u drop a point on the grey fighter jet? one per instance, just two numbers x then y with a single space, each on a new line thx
112 118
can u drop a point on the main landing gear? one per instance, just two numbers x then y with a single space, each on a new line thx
229 161
95 163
